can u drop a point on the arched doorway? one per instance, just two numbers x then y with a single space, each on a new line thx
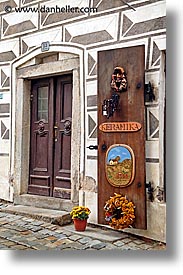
60 61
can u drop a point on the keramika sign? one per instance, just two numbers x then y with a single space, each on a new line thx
120 127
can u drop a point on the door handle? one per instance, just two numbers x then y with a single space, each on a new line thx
55 133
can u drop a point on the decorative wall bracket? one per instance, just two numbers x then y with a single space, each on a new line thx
150 190
110 105
149 93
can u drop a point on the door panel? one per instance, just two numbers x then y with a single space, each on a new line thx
41 149
50 148
131 109
63 125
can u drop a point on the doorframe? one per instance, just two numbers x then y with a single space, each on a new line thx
20 111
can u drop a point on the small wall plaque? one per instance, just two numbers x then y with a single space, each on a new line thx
120 127
120 165
45 46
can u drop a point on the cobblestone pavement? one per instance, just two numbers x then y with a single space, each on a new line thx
22 233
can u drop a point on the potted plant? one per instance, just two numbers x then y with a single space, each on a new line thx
79 215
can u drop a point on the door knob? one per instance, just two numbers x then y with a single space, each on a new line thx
104 147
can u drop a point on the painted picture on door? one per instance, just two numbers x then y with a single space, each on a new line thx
120 165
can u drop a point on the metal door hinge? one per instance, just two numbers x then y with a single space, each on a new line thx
93 147
150 191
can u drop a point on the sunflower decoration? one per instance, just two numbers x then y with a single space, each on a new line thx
119 212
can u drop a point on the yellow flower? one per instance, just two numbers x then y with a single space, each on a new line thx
80 212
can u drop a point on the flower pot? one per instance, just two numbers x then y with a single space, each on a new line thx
80 225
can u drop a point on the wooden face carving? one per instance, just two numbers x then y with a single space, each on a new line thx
119 80
120 165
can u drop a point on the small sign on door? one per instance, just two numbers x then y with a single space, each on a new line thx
120 127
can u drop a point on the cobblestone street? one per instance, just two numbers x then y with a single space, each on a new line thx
19 232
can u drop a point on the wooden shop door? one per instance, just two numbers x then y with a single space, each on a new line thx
50 137
121 150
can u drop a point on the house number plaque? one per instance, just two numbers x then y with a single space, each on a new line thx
120 127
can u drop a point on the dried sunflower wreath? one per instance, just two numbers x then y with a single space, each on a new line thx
119 212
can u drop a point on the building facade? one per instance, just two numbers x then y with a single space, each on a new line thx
50 104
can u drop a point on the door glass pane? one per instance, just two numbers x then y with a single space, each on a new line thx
42 103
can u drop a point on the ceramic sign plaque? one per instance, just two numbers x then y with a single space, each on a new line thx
120 127
120 165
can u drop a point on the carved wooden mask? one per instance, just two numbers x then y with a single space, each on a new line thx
119 80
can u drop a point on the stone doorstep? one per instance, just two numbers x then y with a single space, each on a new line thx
48 215
99 233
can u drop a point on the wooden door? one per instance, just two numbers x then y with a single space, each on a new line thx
50 137
41 140
127 138
62 149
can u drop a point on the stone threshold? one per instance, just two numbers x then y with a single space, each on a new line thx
44 202
98 233
47 215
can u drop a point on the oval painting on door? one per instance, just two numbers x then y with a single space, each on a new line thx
120 165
